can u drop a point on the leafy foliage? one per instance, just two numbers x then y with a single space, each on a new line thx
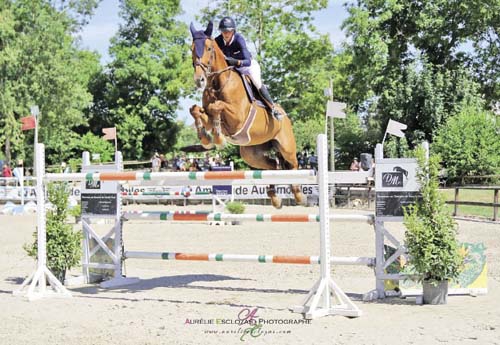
139 91
235 207
95 144
412 62
63 244
186 136
469 144
40 64
430 235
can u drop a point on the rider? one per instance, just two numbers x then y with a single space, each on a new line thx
234 47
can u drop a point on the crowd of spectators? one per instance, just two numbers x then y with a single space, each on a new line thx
307 159
183 162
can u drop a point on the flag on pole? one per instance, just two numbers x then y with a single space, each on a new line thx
109 133
28 122
396 128
335 109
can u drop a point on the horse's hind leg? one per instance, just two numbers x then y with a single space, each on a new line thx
256 157
285 144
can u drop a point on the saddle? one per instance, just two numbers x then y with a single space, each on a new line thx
252 92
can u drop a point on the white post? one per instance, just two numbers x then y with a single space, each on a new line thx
325 290
332 131
21 183
41 214
38 278
118 219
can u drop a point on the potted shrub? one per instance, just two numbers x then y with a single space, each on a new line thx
235 207
430 235
76 211
63 243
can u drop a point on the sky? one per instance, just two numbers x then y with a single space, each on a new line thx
105 22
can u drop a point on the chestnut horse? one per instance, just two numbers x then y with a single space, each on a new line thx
228 113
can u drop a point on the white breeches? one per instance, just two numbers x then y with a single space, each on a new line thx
254 72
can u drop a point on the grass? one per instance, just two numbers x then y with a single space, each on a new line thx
470 195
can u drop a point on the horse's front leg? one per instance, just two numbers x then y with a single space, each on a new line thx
215 110
202 125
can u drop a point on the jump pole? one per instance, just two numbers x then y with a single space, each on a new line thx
200 216
325 297
263 259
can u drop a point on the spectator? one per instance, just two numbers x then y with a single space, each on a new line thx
156 162
65 169
181 163
300 160
6 171
193 165
354 165
313 161
164 163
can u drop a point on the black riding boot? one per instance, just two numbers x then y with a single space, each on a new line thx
265 93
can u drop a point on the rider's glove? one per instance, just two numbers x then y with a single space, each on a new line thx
232 61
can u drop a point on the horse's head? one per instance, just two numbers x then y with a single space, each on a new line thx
203 54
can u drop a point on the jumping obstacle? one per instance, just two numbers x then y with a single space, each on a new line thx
263 259
228 217
198 178
325 298
395 183
160 194
163 215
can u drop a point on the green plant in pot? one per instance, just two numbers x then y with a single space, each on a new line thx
76 211
63 243
235 207
430 235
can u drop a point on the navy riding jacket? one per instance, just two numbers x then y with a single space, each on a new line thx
237 49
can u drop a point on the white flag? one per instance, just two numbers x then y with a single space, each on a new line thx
335 109
396 128
109 133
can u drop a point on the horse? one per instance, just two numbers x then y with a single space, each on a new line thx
229 114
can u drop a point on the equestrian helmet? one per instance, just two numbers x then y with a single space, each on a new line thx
227 24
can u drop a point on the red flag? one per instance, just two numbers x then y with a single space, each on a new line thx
28 122
109 133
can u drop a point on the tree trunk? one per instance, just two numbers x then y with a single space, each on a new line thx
7 150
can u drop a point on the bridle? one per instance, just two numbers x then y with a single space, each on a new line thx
207 69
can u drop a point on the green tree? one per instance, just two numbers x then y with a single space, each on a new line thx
187 136
349 141
41 64
94 144
140 89
306 131
412 61
468 144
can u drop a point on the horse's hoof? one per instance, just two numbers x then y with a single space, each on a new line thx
300 199
276 202
208 146
220 144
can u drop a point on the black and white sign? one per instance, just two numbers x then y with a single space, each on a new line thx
99 198
391 204
396 186
99 204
